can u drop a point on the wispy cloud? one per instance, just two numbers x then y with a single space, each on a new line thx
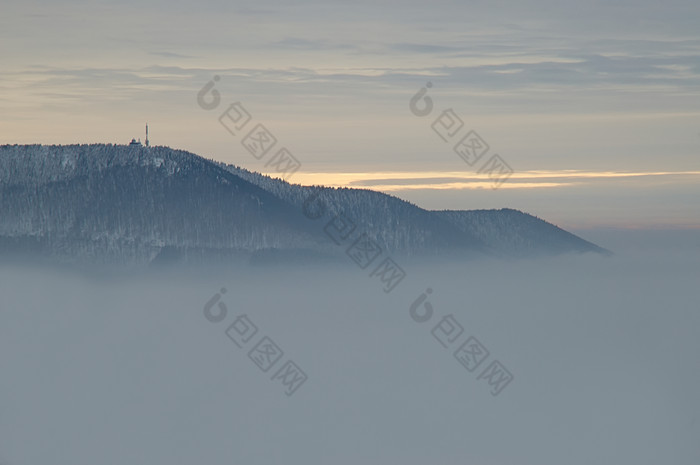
170 54
455 180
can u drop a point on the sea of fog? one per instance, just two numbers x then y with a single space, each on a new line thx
574 360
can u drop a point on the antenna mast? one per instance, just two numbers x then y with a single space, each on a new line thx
147 143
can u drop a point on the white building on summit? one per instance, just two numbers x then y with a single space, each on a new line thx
138 142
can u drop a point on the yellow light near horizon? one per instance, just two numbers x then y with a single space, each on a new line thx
467 180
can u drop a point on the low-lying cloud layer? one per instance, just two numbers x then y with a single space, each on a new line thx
119 369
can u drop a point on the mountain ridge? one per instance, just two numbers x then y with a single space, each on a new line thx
138 205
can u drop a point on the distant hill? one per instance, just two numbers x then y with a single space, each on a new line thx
138 205
509 232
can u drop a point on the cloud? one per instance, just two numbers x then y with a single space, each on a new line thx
170 55
423 48
401 181
296 43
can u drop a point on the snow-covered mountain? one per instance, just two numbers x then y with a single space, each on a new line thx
136 205
504 232
513 233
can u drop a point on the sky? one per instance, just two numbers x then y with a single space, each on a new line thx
593 106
